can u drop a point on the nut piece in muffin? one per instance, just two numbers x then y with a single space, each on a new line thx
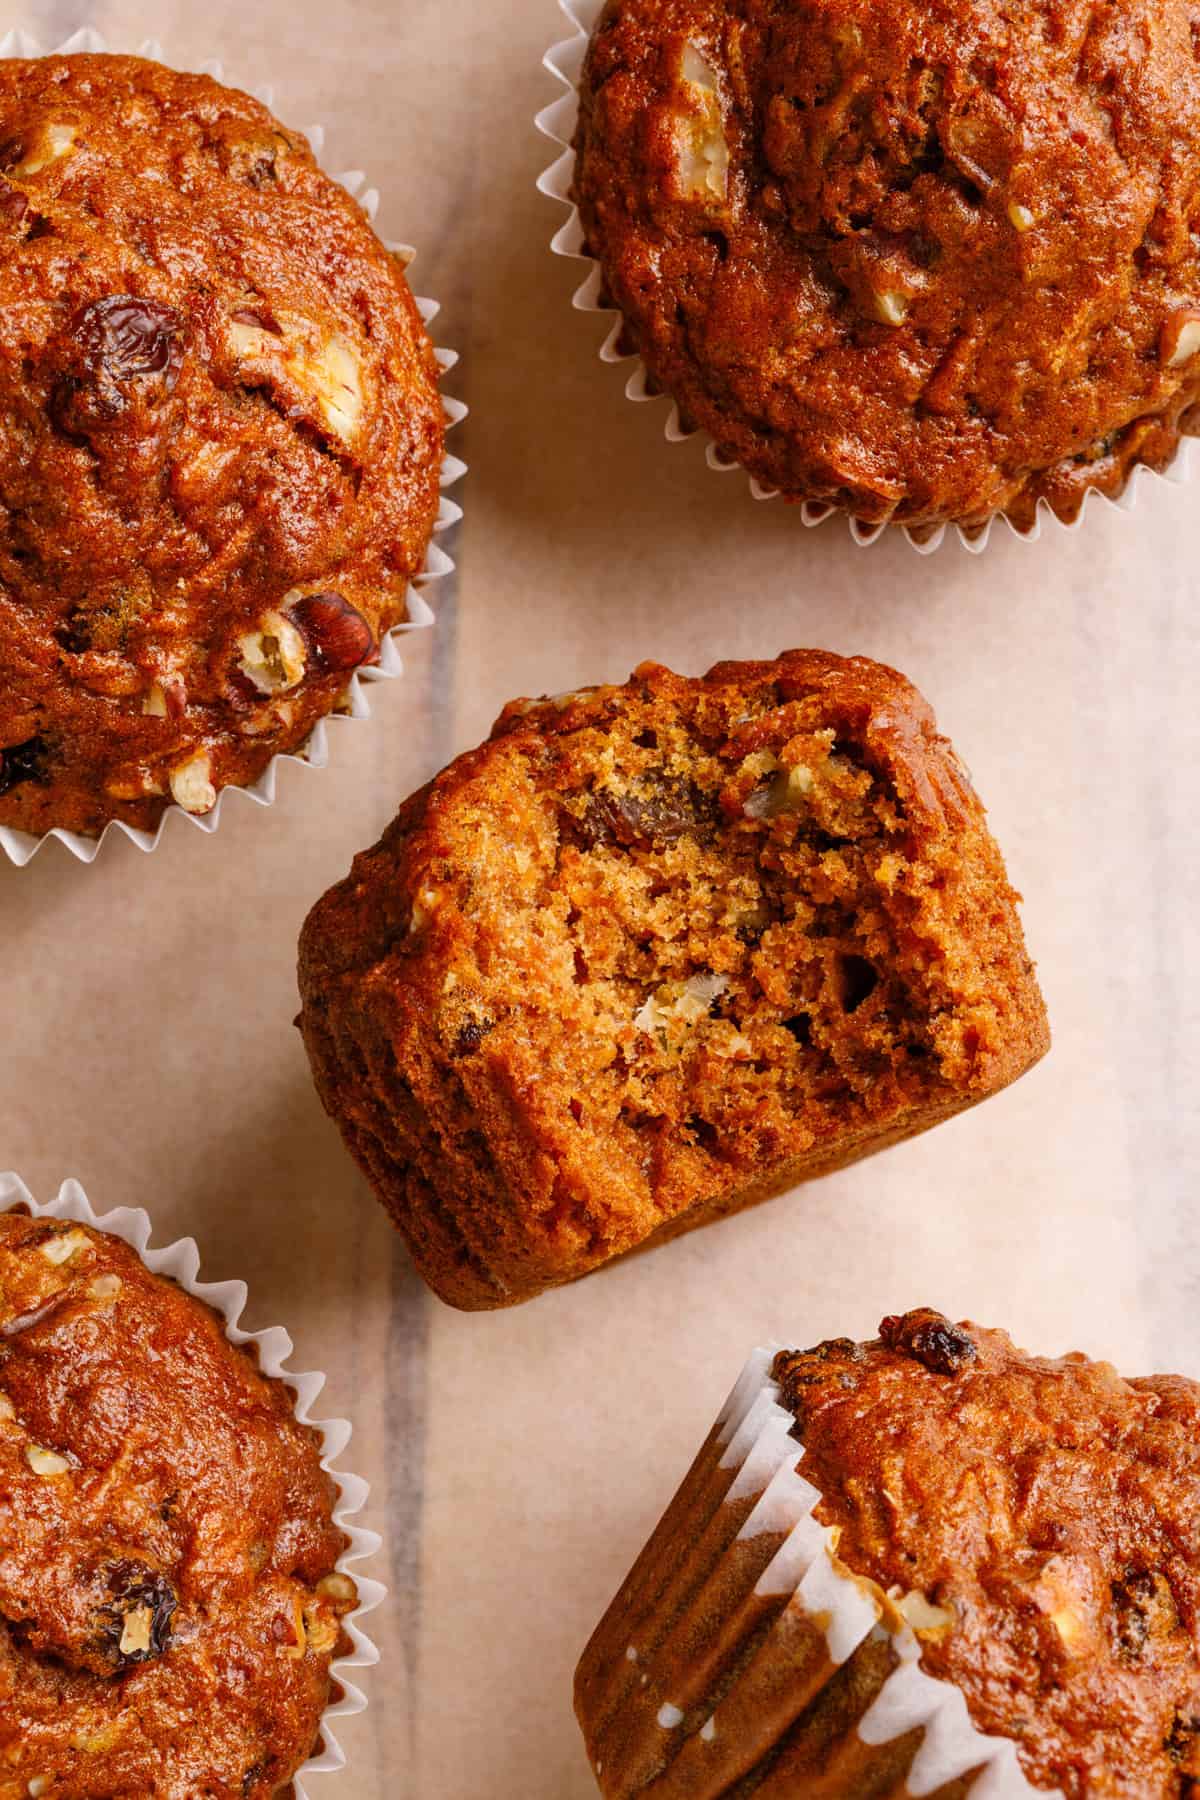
655 952
926 263
221 440
876 1534
170 1602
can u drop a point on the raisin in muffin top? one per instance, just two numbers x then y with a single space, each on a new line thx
1049 1511
925 261
169 1601
220 440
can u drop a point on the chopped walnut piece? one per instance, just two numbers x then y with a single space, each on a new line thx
1181 337
701 146
63 1246
46 1462
321 1629
327 369
273 658
191 785
686 1004
136 1633
917 1610
892 307
338 1588
55 142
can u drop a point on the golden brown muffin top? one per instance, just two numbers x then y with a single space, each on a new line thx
925 259
169 1603
220 440
1051 1511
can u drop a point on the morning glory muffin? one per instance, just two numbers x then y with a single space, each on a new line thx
928 1564
220 441
170 1605
926 262
655 952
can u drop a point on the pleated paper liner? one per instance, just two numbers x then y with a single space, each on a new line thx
742 1658
20 846
180 1262
565 61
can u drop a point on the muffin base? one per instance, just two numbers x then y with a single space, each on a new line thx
741 1657
558 122
180 1262
20 846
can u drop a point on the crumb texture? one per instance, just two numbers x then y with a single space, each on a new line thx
220 441
169 1601
924 261
1050 1513
652 953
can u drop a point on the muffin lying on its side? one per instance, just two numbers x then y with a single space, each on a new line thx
170 1605
874 1535
221 441
653 953
924 262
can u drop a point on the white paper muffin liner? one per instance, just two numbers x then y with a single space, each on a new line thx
180 1262
20 846
694 1677
557 122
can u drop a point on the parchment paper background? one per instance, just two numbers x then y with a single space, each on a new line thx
146 1042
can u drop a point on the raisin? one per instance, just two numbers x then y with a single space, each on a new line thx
660 813
136 1591
470 1035
336 633
127 336
837 1350
13 203
798 1370
1132 1598
1181 1745
930 1340
23 762
262 170
121 346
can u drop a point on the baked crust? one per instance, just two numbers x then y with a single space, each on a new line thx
1050 1511
169 1604
221 441
924 262
654 952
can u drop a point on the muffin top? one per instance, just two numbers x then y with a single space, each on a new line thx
924 259
220 440
1050 1513
169 1602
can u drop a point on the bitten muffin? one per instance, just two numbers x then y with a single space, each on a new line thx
655 952
169 1601
914 1566
927 263
221 440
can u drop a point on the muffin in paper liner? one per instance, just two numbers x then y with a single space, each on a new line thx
180 1262
21 846
741 1657
558 121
